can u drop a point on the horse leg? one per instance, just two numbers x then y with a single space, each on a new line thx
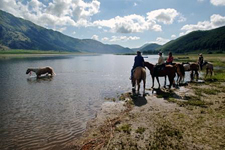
157 78
153 79
138 83
192 75
165 82
171 81
210 73
144 81
206 72
183 78
196 72
133 86
178 77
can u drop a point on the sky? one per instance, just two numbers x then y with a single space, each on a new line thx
129 23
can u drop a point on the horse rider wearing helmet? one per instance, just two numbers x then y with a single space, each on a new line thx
138 62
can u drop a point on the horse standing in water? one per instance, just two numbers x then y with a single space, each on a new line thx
139 75
169 71
40 71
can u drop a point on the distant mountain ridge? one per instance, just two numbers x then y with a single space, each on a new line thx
17 33
150 47
210 41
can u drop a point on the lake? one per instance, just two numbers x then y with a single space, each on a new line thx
49 112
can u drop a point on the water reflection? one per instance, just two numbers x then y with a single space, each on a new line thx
34 79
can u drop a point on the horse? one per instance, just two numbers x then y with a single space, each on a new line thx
169 71
39 71
138 76
194 68
180 72
209 68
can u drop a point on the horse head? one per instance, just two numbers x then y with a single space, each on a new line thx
149 65
204 63
28 71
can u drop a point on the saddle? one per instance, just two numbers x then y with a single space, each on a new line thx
158 68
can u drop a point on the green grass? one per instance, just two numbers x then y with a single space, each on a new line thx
126 128
166 137
140 130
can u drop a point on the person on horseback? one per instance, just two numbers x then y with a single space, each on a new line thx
200 61
138 62
169 60
160 64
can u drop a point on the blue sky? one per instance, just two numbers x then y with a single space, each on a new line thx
129 23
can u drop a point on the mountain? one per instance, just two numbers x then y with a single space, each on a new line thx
150 47
210 41
17 33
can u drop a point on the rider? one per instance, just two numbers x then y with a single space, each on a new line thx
138 62
200 61
169 60
160 63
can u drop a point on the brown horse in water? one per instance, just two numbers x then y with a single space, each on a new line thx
169 71
138 76
39 71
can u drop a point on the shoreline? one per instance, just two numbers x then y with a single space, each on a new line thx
164 119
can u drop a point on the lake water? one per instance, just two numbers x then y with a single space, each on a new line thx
49 112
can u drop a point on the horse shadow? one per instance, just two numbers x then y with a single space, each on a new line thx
166 94
139 100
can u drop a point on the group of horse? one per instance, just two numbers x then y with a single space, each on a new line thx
169 71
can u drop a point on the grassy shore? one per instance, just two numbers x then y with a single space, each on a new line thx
188 117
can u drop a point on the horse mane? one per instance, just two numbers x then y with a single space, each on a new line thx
148 65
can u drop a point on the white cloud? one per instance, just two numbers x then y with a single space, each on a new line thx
94 37
128 24
181 18
56 13
160 41
173 36
200 0
62 29
218 2
165 16
216 21
105 39
135 4
135 23
123 38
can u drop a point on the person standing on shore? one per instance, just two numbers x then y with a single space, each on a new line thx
200 60
138 62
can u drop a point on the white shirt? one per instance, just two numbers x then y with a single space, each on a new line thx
160 60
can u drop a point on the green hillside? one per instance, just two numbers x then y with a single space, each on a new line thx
17 33
212 41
